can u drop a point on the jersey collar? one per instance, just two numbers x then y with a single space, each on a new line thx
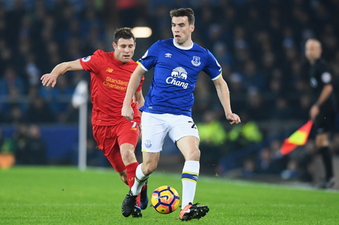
183 48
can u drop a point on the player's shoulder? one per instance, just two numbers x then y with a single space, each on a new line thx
165 42
198 47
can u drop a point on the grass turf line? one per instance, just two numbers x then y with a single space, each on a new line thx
65 195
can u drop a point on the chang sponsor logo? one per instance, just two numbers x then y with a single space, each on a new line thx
177 75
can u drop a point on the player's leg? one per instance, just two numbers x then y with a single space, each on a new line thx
106 143
130 161
322 144
189 147
144 170
185 133
128 135
324 124
154 131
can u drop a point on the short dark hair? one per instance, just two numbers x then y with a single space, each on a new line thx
124 32
184 12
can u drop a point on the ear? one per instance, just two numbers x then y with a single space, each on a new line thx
114 45
192 27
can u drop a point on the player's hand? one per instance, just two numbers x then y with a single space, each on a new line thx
127 112
314 111
234 118
49 79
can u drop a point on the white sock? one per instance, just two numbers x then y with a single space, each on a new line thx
189 178
140 179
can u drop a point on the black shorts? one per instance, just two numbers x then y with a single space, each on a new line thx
325 121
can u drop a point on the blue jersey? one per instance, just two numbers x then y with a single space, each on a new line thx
176 71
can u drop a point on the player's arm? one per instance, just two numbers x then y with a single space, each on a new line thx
60 69
224 97
133 84
139 99
325 93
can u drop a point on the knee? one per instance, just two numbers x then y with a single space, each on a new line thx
149 167
194 155
127 155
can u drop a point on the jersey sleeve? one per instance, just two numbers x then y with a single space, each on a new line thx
325 74
150 58
93 62
212 68
140 85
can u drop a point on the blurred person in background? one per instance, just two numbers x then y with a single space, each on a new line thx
212 139
39 112
116 136
323 111
7 148
177 62
21 138
36 147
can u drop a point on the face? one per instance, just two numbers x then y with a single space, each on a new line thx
312 50
182 30
124 49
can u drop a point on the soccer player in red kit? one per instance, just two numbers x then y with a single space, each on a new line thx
116 136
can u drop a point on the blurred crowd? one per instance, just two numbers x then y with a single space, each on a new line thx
260 45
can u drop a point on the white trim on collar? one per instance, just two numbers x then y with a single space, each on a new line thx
183 48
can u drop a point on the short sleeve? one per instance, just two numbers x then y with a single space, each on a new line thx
325 75
141 82
212 68
93 62
150 58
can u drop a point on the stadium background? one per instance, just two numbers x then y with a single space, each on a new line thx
260 45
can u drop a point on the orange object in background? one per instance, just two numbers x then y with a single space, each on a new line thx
298 138
7 160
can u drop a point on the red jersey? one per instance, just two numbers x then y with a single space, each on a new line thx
109 80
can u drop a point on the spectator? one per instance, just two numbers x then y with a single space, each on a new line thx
36 147
39 112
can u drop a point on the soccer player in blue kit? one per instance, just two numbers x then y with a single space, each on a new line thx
167 108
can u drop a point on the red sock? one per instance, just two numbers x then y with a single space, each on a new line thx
130 170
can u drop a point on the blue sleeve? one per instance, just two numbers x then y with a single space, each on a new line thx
212 68
150 58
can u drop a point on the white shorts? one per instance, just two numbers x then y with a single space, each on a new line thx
156 126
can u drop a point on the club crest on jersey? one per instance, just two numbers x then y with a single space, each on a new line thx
86 59
196 61
148 143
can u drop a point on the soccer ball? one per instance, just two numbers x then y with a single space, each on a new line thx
165 199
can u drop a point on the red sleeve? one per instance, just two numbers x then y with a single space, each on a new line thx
93 62
142 81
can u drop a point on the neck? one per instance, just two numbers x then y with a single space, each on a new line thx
313 60
186 45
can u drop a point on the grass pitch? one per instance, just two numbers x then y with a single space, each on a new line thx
65 195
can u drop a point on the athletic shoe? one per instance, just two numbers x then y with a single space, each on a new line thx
128 204
144 198
193 212
136 211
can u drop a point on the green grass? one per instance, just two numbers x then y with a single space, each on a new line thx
65 195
